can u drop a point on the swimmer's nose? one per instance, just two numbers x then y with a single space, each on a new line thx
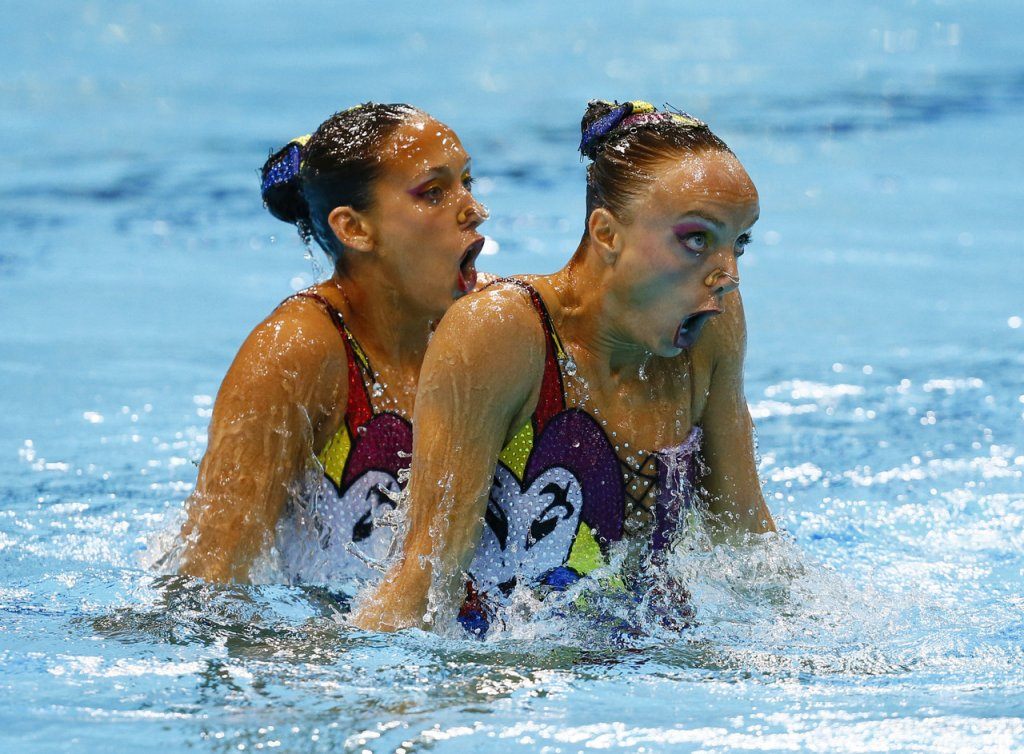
727 284
472 215
724 280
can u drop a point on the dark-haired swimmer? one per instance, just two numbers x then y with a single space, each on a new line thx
581 399
332 372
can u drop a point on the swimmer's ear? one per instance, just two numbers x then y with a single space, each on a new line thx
605 235
352 228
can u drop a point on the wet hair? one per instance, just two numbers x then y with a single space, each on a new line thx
335 166
626 142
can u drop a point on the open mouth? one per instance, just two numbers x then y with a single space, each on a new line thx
467 266
689 329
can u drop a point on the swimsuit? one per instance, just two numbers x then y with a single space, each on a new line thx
336 532
560 499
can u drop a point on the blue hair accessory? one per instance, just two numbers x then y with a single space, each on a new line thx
604 126
287 166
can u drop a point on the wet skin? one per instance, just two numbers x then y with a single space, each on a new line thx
618 306
410 229
405 262
694 223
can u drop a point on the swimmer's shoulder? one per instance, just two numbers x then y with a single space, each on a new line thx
297 345
499 317
304 328
498 328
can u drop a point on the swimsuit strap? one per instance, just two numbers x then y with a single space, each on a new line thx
359 410
552 388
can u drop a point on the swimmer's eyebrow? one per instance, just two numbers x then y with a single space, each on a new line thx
440 170
718 224
704 216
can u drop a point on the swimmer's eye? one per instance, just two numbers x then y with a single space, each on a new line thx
432 194
468 181
741 244
695 242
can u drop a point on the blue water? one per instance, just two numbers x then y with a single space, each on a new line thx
883 293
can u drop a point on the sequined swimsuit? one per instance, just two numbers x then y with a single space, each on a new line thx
332 533
561 497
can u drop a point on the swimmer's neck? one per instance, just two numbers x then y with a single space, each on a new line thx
591 320
383 322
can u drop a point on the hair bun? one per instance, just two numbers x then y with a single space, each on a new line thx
281 183
602 119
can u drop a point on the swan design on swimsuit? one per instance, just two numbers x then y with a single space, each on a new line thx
557 504
339 534
526 531
556 516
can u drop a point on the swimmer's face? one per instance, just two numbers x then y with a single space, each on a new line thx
424 217
679 251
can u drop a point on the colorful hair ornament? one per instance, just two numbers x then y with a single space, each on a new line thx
683 118
287 166
647 118
603 126
630 115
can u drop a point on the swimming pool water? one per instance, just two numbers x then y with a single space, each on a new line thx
886 348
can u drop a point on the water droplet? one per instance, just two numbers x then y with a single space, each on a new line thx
643 367
377 390
569 365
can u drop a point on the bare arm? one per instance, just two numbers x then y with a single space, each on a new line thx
279 394
735 498
479 380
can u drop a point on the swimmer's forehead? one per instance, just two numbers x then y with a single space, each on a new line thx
422 147
712 185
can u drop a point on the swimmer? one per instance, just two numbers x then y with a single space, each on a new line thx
324 387
561 414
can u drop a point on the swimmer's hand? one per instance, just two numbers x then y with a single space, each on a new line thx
400 601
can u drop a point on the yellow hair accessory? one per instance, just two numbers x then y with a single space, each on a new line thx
686 120
639 106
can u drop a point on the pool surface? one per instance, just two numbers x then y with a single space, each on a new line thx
886 353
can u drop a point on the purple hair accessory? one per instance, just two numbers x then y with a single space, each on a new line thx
643 119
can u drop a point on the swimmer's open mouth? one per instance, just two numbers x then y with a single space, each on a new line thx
467 266
689 329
